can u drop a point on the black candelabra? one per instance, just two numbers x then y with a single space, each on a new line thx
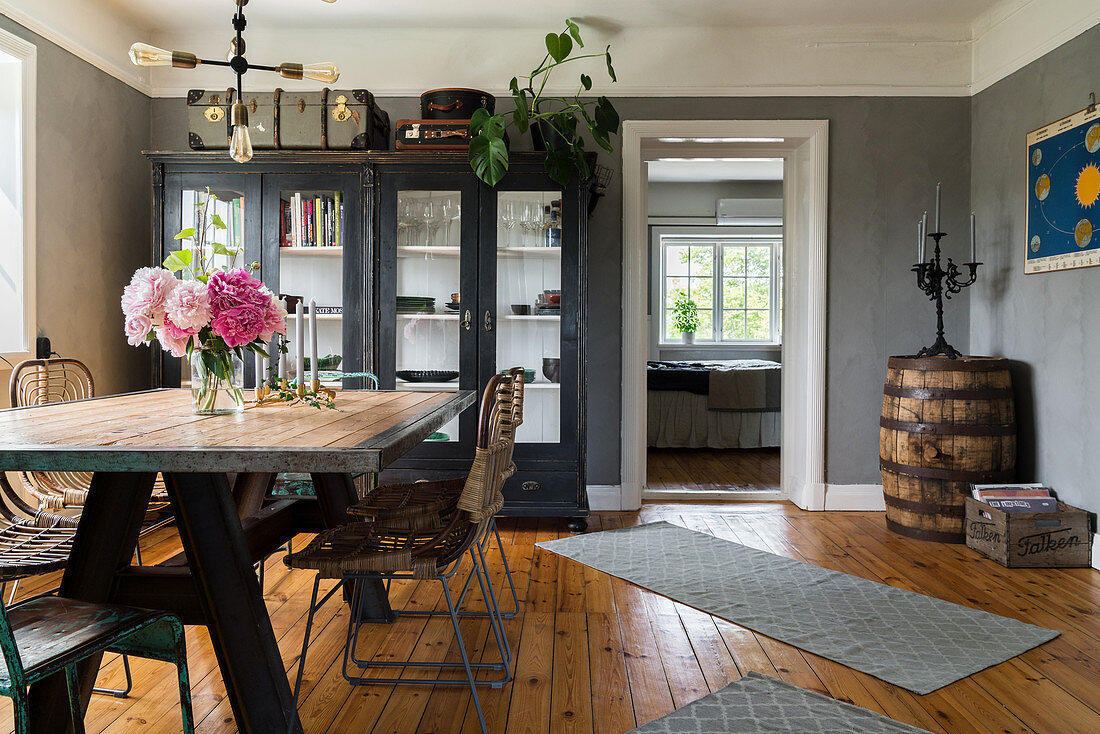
940 283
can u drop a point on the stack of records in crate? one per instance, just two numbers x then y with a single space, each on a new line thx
415 304
1016 497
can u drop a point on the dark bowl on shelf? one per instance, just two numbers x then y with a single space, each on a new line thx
521 309
551 368
427 375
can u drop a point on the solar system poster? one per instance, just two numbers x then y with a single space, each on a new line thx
1063 199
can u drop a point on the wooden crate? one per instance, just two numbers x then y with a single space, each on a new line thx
1059 539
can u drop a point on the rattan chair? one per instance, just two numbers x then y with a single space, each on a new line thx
428 504
41 381
46 635
366 550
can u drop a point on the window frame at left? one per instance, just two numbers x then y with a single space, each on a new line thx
25 54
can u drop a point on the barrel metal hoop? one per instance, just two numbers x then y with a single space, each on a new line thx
948 475
939 536
932 364
924 508
947 393
948 429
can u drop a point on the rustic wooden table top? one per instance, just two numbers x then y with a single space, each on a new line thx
156 431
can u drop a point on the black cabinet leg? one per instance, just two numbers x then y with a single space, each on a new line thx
577 524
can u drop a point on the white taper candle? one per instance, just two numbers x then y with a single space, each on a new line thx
299 343
259 368
973 238
282 354
938 208
313 340
923 233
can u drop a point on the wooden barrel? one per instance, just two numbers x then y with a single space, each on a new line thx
946 423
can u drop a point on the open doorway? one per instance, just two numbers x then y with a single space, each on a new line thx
802 146
713 377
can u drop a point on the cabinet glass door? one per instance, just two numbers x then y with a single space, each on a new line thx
428 293
310 258
216 208
534 297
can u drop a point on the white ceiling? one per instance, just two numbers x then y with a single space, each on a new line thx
684 48
159 15
737 169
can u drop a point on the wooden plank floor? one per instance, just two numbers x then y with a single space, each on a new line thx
703 470
598 655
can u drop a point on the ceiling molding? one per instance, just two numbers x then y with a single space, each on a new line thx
1015 33
130 75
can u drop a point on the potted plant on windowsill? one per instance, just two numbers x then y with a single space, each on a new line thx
685 318
558 120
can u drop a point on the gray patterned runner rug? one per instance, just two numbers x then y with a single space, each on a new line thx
759 704
914 641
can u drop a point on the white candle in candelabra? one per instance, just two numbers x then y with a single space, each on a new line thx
313 340
920 242
973 238
299 343
282 363
938 208
259 368
923 233
265 368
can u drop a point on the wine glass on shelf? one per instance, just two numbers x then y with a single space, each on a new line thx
450 214
508 221
405 223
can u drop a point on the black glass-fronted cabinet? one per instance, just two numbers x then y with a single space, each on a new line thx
430 279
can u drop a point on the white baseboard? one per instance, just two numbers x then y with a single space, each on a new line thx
854 497
1096 551
605 497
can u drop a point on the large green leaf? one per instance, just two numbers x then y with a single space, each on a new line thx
521 116
559 46
178 260
610 68
189 232
220 249
479 120
574 31
218 223
489 158
559 165
607 117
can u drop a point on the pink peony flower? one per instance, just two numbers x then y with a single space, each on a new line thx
188 306
239 325
274 319
173 338
229 289
137 327
147 292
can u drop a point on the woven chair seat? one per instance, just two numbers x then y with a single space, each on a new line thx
366 548
424 505
26 550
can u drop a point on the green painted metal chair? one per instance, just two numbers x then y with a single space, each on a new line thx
47 635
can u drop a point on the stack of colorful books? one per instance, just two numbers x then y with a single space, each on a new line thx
311 220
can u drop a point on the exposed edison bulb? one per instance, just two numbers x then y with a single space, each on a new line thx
142 54
322 72
240 144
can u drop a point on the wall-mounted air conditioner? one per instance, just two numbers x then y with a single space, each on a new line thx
750 212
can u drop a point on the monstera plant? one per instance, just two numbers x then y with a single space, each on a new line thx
568 117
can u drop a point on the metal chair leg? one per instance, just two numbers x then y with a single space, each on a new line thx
302 660
74 699
507 573
465 657
120 692
187 713
495 620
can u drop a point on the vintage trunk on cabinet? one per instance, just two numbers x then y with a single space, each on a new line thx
946 424
1059 539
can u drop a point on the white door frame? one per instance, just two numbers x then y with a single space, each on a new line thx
805 151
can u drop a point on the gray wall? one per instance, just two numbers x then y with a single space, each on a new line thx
886 155
1046 322
93 203
698 199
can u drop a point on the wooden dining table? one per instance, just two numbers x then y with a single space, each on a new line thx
217 470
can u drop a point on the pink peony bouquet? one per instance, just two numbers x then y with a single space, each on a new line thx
223 311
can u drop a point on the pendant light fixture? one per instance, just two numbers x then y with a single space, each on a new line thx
240 145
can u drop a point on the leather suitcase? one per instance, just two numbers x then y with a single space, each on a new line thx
433 135
208 118
454 104
331 120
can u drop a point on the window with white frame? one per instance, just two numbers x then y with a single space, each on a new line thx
16 195
736 283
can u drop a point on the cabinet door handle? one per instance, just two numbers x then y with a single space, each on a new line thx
467 320
488 320
531 486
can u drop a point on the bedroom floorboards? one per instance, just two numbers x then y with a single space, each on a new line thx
595 654
713 470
